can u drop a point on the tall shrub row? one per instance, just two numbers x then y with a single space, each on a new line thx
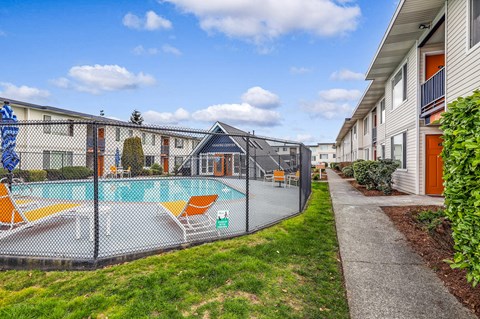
461 173
132 155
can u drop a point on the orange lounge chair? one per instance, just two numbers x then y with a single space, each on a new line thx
293 178
16 219
192 216
279 177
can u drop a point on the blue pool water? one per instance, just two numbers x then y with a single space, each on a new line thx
157 190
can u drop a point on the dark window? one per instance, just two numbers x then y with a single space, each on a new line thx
399 149
117 134
47 129
474 22
149 160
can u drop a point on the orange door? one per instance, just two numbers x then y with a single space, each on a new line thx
101 132
101 164
218 164
434 163
165 164
433 63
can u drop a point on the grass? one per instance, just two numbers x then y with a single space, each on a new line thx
290 270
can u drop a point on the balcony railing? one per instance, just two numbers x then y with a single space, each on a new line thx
100 143
165 150
433 94
374 135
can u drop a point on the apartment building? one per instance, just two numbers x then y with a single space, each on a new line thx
45 146
428 57
323 153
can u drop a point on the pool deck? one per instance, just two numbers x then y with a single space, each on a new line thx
138 227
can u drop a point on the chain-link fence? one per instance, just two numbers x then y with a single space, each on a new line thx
86 194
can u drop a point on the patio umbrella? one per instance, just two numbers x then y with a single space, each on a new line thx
10 159
117 157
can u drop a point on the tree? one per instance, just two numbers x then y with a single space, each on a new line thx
136 117
132 155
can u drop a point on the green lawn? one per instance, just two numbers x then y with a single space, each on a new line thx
290 270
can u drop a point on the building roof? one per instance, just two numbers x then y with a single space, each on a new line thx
401 35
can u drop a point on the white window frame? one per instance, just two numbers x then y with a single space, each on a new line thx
382 111
323 157
365 125
403 136
470 47
366 154
178 143
404 71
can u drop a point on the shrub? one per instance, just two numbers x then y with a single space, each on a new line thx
316 177
156 169
461 173
54 174
37 175
26 175
362 171
375 174
76 172
431 219
132 155
348 171
146 172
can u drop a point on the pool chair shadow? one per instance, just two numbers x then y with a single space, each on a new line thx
192 217
17 217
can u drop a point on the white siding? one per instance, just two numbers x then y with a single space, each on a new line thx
463 64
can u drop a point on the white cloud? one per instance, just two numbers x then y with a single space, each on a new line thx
261 98
334 95
140 50
327 110
238 114
99 78
2 33
305 138
23 92
150 22
264 21
299 70
166 48
347 75
333 103
154 117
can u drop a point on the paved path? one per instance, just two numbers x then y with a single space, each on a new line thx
384 277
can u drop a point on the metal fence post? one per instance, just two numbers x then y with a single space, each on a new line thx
247 181
95 191
300 206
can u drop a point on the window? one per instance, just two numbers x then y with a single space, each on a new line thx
314 158
149 160
144 138
334 155
178 161
70 128
355 131
117 134
399 152
285 149
366 154
382 111
383 151
47 129
153 139
365 126
474 22
399 87
324 147
324 156
236 163
178 143
57 159
130 133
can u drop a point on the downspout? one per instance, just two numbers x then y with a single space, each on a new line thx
446 55
417 121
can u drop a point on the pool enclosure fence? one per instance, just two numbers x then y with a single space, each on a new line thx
90 193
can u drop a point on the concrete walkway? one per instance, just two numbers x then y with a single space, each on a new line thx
384 277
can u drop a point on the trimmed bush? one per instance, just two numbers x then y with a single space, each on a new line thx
146 172
26 175
54 174
461 173
362 171
156 169
375 174
76 172
37 175
347 171
132 155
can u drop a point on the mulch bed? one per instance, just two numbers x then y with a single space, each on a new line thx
373 192
339 173
435 246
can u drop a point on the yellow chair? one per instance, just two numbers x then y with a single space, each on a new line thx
127 172
17 219
192 216
293 178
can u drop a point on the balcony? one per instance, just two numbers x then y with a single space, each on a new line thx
100 144
165 150
374 135
433 94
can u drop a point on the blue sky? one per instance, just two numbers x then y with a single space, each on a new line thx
285 68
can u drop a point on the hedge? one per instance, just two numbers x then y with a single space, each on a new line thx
34 175
375 174
461 173
132 155
76 172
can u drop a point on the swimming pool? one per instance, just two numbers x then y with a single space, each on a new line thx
121 190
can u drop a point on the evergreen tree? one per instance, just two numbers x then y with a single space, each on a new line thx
136 117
